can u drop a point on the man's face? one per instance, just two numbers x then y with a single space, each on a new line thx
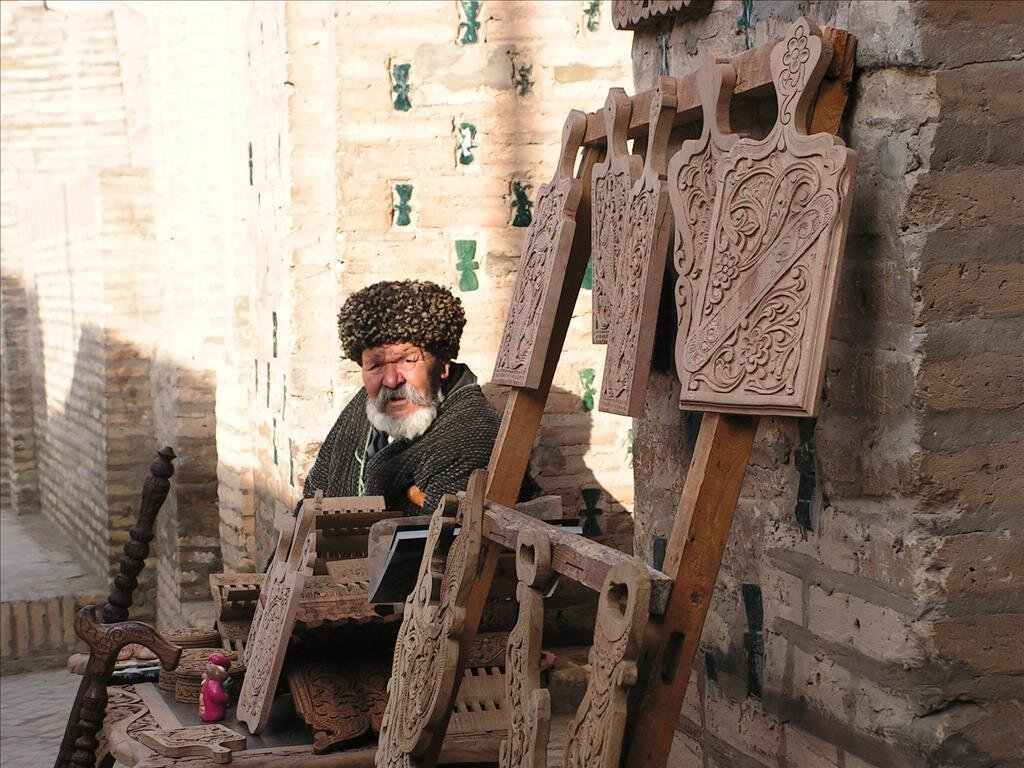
386 368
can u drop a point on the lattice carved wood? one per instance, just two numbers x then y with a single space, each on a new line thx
275 619
611 183
594 738
761 310
426 668
639 277
630 14
542 268
214 741
529 705
693 186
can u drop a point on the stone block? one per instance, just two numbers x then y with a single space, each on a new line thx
972 288
987 643
986 381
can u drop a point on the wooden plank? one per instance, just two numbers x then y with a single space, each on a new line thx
753 81
523 411
572 555
694 554
761 304
533 309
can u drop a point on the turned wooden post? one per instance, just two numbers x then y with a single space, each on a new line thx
108 634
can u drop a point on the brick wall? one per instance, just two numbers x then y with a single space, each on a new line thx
329 150
871 621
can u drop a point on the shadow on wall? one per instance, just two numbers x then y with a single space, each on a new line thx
96 409
559 467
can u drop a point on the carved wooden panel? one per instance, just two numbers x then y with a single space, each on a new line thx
426 667
594 738
531 313
529 705
693 187
638 280
214 741
761 309
629 14
342 700
272 629
611 183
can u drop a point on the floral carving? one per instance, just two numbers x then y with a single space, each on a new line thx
755 303
426 666
523 349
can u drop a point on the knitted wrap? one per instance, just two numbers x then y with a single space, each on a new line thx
402 311
440 461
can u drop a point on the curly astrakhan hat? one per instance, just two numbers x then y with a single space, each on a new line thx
401 311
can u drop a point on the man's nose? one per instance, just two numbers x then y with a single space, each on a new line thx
393 378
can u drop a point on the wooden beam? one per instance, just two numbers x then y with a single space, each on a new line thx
692 559
753 81
578 558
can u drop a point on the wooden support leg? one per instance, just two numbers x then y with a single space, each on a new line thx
694 554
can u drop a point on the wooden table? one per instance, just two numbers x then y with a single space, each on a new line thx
286 742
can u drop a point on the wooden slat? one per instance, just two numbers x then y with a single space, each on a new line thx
572 555
753 81
523 411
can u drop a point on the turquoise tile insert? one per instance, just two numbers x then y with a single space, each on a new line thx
592 14
522 205
273 316
662 41
250 163
521 77
465 251
587 380
591 511
291 462
588 277
469 27
753 638
746 21
274 439
467 139
268 384
400 86
403 194
629 447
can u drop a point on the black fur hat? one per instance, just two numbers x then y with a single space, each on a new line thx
401 311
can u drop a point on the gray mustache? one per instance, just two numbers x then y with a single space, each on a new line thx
403 392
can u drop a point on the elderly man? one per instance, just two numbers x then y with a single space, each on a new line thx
421 424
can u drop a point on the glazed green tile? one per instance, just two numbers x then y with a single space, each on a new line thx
587 380
521 78
465 252
522 205
467 139
592 14
273 316
469 27
403 208
400 86
588 276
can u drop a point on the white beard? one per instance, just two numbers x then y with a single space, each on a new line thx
408 427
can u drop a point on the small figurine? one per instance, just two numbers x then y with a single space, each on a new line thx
213 699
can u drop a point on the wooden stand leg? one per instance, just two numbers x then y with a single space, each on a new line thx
694 554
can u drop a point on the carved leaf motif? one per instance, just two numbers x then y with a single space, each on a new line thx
532 283
528 704
761 295
425 668
610 203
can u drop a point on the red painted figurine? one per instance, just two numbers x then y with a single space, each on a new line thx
213 699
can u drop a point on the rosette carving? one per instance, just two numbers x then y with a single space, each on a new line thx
755 301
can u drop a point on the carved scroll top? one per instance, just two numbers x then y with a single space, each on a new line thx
573 130
798 65
715 80
663 112
618 108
